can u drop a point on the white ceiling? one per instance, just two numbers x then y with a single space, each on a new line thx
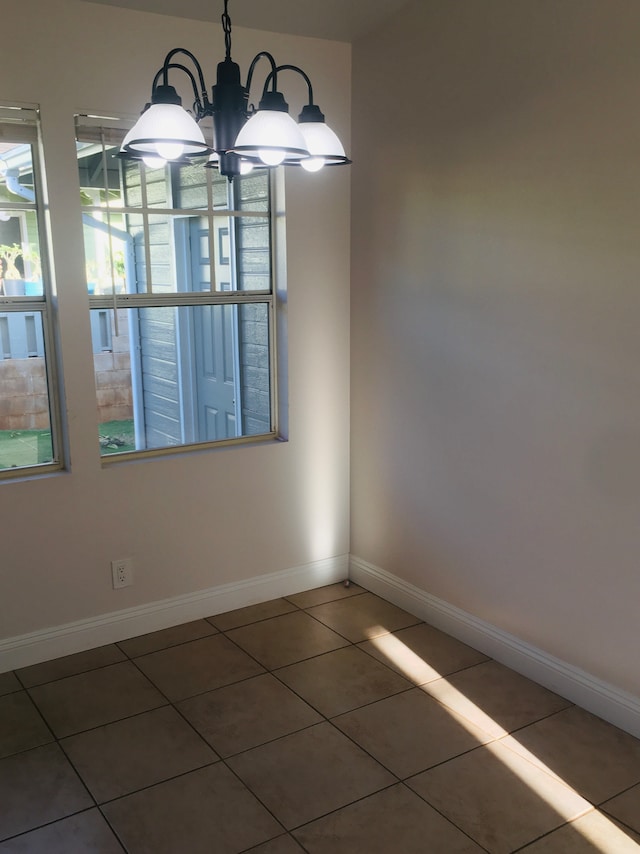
340 20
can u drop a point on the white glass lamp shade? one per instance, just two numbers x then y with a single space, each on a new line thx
325 149
273 136
167 131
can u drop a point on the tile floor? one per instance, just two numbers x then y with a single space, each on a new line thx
329 721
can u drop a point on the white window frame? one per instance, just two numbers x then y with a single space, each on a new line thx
20 123
106 134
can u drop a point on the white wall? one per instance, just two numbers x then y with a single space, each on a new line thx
191 521
495 316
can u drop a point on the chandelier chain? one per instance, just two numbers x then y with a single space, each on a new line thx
226 26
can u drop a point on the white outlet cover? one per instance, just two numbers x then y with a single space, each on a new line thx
122 573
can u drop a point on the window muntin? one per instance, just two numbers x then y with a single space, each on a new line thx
182 306
29 434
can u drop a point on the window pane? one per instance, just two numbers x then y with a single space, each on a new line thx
157 187
107 252
26 422
190 187
99 175
131 177
193 368
252 191
182 374
25 418
161 254
20 266
253 239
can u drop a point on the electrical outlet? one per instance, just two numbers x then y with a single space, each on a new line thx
122 572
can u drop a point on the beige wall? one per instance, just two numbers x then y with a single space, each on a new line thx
495 316
192 521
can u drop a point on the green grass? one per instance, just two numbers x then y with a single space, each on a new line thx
21 448
116 437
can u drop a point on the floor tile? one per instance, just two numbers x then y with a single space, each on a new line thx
202 812
98 697
626 808
9 683
342 680
193 668
21 725
79 834
281 845
286 639
360 618
247 714
422 653
36 787
70 665
305 775
495 698
594 833
393 820
489 760
119 758
173 636
320 595
251 614
410 732
497 798
595 758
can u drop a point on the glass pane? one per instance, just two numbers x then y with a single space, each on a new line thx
157 186
201 374
252 191
253 252
16 173
131 177
253 353
20 266
190 186
136 281
111 339
25 419
108 253
161 254
99 175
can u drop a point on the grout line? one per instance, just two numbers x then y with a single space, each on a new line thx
79 673
46 824
266 671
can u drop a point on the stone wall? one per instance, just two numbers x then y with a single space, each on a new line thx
24 402
23 391
113 386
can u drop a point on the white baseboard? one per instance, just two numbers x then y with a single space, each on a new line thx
602 699
24 650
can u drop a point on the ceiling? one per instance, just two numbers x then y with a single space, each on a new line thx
339 20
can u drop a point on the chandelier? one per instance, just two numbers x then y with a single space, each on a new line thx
243 136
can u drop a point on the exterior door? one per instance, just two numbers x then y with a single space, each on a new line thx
215 341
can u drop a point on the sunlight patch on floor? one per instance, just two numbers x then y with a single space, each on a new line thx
595 827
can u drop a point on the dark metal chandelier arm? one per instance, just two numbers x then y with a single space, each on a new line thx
273 74
199 109
201 98
289 68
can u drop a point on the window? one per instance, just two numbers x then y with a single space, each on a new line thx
29 434
178 265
